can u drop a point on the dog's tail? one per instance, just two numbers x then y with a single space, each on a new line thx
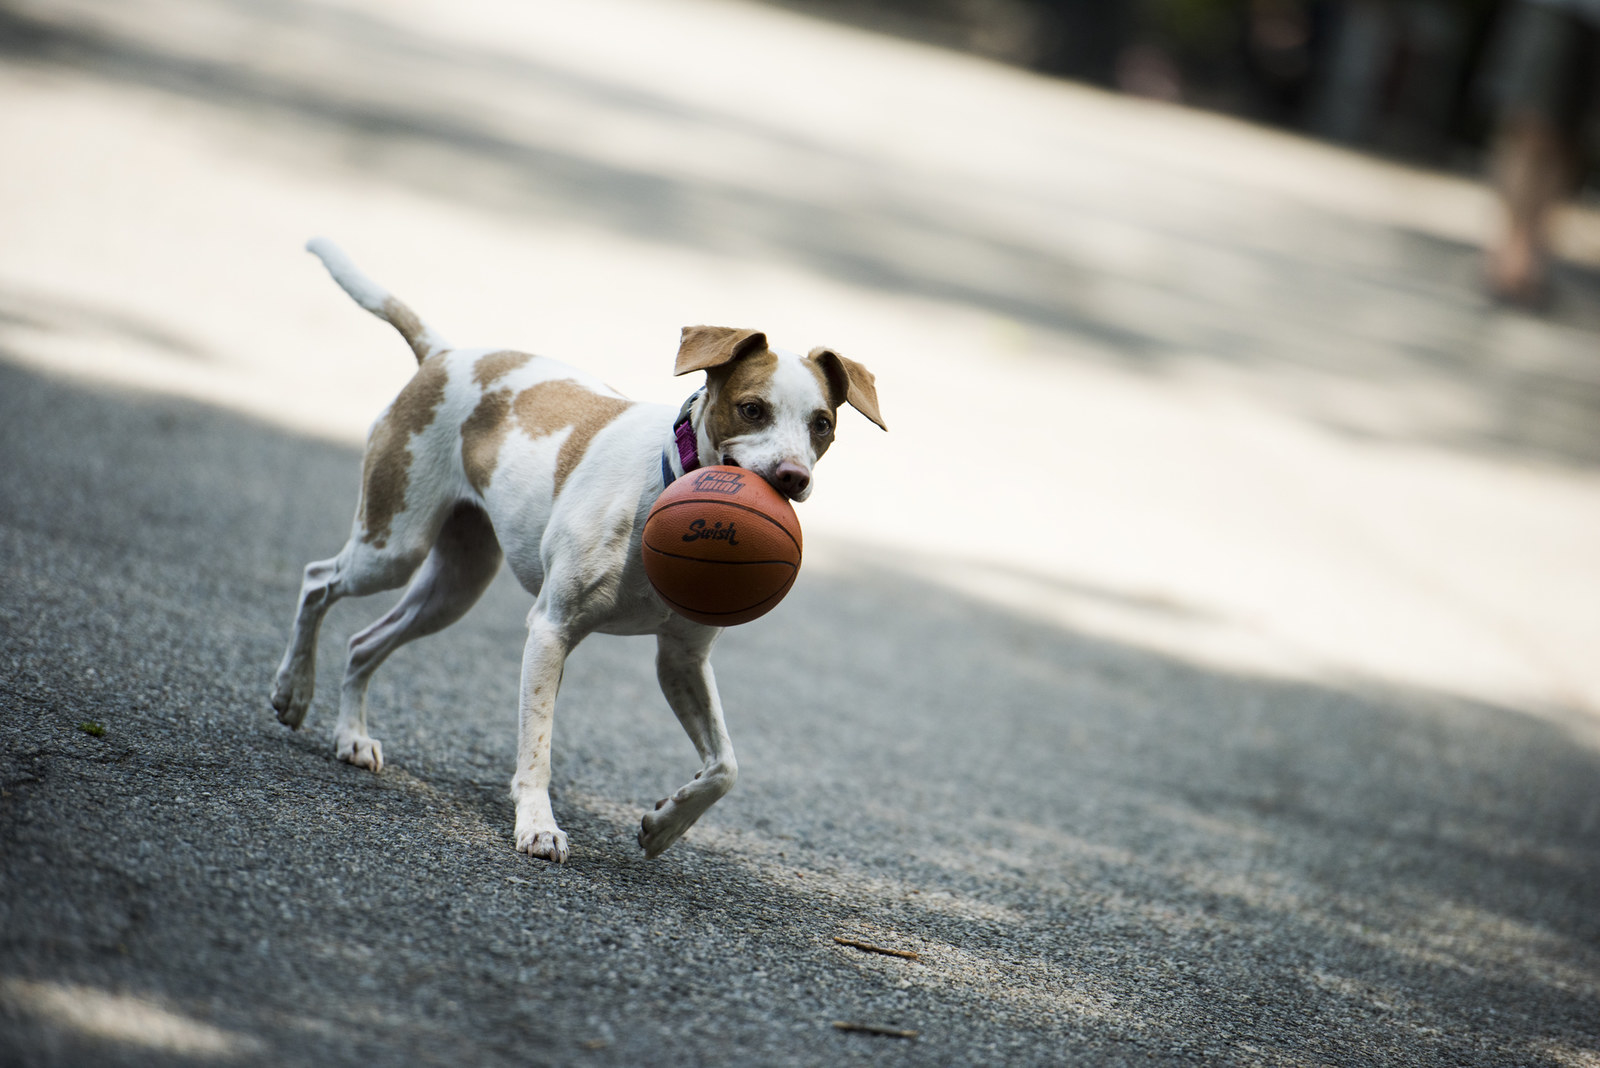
377 300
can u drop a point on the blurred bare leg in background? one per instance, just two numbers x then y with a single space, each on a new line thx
1546 85
1531 169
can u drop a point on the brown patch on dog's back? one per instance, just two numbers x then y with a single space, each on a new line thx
482 434
548 407
386 469
491 368
484 430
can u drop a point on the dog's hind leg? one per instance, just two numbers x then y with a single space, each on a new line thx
408 490
358 570
458 570
683 665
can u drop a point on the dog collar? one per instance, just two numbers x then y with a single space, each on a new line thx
683 442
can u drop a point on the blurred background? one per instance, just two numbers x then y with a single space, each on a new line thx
1415 79
1502 87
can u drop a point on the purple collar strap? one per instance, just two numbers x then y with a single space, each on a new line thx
684 441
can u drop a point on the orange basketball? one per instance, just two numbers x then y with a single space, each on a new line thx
721 546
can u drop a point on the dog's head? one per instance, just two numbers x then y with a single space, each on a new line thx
767 410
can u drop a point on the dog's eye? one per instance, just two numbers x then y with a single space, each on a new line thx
753 411
821 426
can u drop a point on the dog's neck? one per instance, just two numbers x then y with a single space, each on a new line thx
681 454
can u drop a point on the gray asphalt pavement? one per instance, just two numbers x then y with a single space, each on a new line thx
1201 671
1099 854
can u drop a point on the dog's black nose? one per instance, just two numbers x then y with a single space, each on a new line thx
791 479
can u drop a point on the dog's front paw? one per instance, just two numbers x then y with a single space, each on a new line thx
549 843
358 749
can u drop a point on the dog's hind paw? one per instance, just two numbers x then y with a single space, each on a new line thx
659 829
290 704
359 749
551 845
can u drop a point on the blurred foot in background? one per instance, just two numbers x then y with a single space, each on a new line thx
1544 93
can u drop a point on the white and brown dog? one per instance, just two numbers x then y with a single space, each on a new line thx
489 453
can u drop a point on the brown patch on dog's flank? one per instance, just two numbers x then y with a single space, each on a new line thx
481 436
551 406
386 469
496 365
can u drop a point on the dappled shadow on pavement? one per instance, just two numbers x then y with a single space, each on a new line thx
1098 852
37 313
1371 330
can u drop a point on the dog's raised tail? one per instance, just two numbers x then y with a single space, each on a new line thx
377 300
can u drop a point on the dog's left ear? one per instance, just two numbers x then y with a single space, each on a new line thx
851 383
705 347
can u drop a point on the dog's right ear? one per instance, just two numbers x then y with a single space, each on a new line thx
705 347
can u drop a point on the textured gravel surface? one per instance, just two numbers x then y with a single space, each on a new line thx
1098 854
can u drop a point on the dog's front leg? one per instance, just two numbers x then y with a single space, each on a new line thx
683 664
542 661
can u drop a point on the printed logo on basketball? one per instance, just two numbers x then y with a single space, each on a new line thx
698 531
729 482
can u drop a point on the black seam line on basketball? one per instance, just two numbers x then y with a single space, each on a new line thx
775 595
719 563
731 611
734 504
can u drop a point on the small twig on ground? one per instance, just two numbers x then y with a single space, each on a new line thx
874 1029
870 948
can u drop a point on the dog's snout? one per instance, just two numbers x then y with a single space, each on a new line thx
791 479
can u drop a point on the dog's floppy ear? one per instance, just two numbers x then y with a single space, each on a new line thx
851 382
705 347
